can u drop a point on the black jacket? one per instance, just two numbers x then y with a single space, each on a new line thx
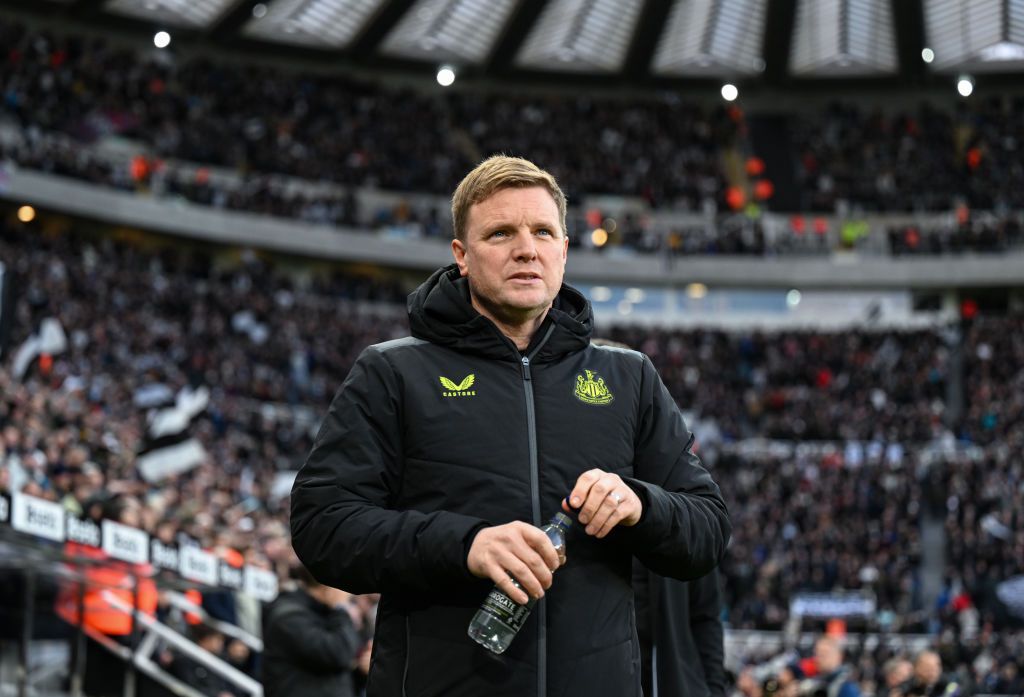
432 438
681 635
308 648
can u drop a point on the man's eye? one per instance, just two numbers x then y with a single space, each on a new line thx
499 233
544 231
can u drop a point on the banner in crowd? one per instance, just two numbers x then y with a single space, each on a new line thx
48 520
828 605
169 448
1011 594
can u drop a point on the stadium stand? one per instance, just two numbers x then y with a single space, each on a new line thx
141 314
873 472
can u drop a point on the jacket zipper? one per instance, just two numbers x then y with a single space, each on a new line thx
531 430
408 650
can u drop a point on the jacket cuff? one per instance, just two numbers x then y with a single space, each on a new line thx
467 543
645 532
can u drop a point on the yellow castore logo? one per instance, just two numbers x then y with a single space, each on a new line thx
459 390
592 390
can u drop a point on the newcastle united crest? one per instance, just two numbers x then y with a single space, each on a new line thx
592 390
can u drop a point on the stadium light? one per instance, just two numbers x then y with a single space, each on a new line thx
927 55
445 75
696 291
259 10
599 237
793 298
965 85
26 214
161 39
729 92
635 295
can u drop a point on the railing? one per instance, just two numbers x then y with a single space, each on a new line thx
31 559
154 632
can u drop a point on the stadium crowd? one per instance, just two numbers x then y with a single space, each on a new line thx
299 147
885 386
272 349
332 129
929 159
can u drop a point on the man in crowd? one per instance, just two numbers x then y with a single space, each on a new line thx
310 641
897 672
833 674
928 679
681 636
443 452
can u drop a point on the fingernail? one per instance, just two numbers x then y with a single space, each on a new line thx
590 529
575 502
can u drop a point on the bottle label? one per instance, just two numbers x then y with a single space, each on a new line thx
505 610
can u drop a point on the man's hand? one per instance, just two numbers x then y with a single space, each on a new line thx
518 549
603 501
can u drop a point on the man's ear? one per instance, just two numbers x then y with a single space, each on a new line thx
459 253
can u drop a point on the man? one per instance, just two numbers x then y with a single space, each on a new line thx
195 674
898 672
681 635
928 679
310 642
832 673
442 452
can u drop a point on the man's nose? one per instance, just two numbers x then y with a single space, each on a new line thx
526 245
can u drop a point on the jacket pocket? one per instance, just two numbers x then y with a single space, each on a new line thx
442 661
614 670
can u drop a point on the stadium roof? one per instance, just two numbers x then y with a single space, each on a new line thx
774 42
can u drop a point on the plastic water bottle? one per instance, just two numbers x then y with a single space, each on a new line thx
500 618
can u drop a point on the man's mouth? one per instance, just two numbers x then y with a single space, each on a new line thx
525 276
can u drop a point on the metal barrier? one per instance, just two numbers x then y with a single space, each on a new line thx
28 561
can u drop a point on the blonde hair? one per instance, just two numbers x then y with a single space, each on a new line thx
495 173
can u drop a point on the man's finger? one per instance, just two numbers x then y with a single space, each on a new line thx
542 547
578 495
529 586
596 496
606 513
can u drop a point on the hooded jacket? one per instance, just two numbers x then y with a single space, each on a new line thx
681 635
309 648
433 437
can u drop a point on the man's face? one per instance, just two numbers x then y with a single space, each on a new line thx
901 672
514 254
928 668
827 656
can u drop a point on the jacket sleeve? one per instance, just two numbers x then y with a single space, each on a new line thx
684 528
706 628
319 649
344 526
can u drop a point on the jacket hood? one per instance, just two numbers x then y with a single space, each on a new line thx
440 312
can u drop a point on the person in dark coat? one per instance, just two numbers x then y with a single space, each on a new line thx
443 453
681 636
198 676
310 642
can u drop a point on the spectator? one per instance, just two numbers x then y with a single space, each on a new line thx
928 678
195 674
897 671
311 641
833 675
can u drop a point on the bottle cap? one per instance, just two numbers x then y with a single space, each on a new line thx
561 519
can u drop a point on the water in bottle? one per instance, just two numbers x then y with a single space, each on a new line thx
500 618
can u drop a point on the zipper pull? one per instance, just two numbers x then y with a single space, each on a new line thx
526 368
